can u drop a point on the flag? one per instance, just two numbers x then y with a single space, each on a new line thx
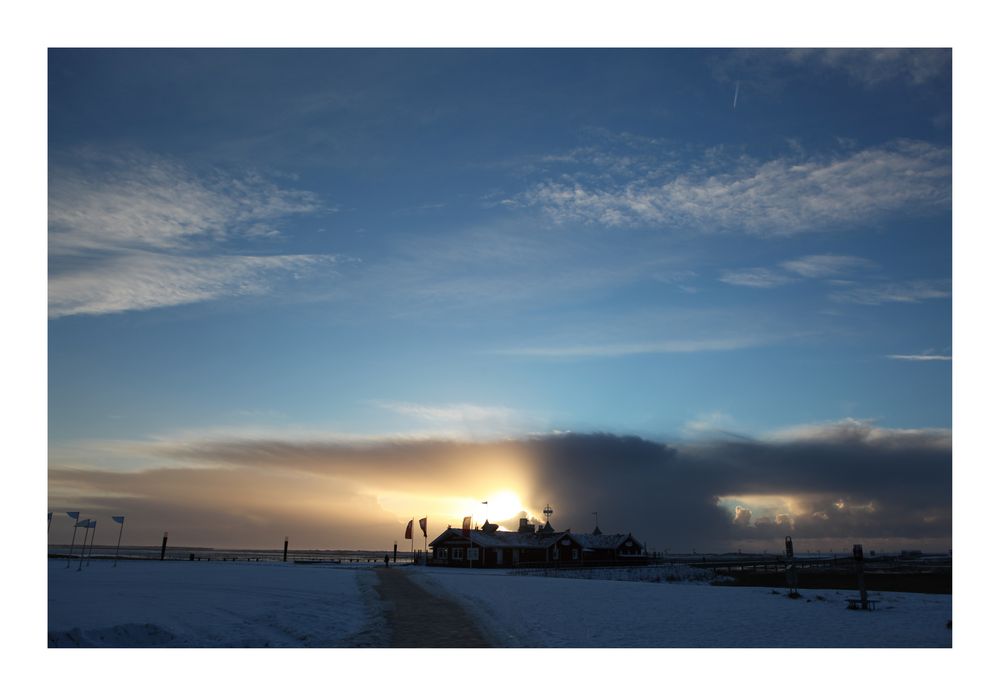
74 515
409 530
423 526
486 502
120 519
82 523
92 524
466 526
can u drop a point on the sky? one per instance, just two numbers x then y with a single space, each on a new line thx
703 293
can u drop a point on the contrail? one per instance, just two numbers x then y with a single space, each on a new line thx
737 95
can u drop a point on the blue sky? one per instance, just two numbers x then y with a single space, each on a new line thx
682 245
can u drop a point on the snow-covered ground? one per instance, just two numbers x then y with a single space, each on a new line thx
652 573
153 603
524 610
182 604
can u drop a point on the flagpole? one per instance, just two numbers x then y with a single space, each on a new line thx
121 528
71 545
75 516
80 567
50 522
93 536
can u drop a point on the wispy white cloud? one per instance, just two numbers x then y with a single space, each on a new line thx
448 413
756 278
883 293
767 71
142 280
862 431
782 196
920 357
621 349
714 425
134 231
118 202
826 265
872 67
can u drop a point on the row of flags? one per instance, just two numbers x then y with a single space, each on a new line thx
89 524
409 528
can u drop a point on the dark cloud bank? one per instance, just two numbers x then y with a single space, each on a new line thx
849 482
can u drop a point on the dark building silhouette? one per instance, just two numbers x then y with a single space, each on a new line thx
489 547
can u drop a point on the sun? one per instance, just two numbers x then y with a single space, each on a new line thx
504 505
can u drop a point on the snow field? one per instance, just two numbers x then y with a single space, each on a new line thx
530 611
185 604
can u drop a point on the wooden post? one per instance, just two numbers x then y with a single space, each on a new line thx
859 565
284 557
163 549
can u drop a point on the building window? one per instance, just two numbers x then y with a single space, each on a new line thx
474 553
576 554
555 554
443 554
456 553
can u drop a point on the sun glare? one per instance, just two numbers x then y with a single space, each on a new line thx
503 505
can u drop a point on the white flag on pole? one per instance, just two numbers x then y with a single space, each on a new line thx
120 519
74 515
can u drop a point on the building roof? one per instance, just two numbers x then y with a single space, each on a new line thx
513 540
601 541
522 540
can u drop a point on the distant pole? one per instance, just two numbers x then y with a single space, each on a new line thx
284 558
791 572
859 565
163 549
50 522
84 547
75 516
92 537
394 545
121 528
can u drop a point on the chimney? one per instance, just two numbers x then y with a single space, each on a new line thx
524 527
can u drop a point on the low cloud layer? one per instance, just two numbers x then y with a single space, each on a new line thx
846 481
